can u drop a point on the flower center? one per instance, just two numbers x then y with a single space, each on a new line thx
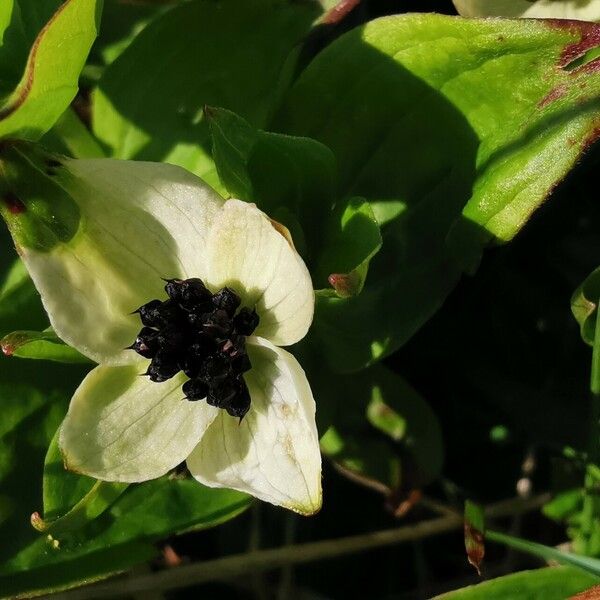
202 334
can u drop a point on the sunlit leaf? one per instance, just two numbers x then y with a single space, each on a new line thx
50 78
555 583
416 110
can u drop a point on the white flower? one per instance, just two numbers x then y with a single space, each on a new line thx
138 223
583 10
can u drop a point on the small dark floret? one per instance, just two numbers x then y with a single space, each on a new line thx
194 389
226 300
199 333
146 343
162 367
246 321
240 404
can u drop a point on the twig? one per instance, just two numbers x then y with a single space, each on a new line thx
265 560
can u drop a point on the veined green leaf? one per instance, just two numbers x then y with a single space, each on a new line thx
552 583
417 113
277 172
150 101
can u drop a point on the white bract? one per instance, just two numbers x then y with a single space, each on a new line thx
583 10
141 222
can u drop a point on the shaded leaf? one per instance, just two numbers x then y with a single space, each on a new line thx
584 305
448 160
378 430
353 239
228 54
277 172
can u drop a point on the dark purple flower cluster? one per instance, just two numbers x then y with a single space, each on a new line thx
202 334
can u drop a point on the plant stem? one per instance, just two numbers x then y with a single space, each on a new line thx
590 501
223 569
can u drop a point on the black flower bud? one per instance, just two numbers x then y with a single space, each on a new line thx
246 321
194 389
146 343
162 367
227 300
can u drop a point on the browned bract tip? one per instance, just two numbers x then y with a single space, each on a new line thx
589 37
591 594
340 11
7 349
474 544
284 231
37 522
209 111
345 284
14 205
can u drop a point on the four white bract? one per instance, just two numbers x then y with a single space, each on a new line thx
139 223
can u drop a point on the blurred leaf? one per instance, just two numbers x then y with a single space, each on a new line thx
40 345
552 583
276 172
474 534
229 54
50 79
564 505
584 305
445 156
378 430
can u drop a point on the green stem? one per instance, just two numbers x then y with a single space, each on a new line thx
591 505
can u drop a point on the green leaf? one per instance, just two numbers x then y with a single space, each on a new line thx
50 79
552 583
40 345
38 211
277 172
378 429
19 301
65 510
416 111
584 306
353 240
564 505
150 100
71 137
